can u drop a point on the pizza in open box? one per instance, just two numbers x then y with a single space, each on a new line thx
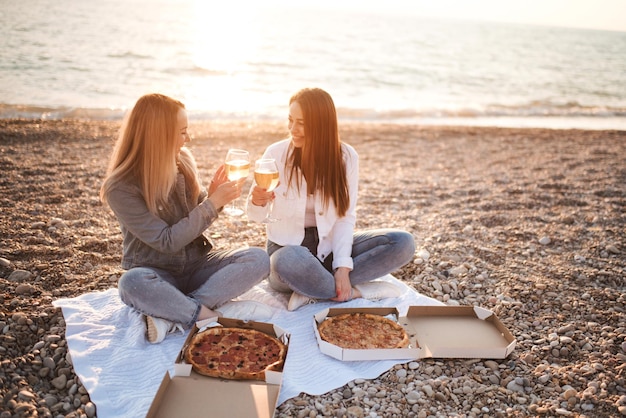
363 331
235 353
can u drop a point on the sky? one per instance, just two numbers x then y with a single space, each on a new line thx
590 14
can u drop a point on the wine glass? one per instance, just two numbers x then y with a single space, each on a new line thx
266 177
237 167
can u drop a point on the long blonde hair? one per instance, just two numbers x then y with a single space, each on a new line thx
320 160
146 151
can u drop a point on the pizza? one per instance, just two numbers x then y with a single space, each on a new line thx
234 353
363 331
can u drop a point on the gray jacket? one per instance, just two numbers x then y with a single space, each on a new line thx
169 241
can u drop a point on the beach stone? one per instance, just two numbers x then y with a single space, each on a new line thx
493 365
428 390
412 397
359 392
58 222
587 406
569 393
49 362
458 271
60 382
423 254
20 276
73 389
493 379
26 395
355 412
90 410
514 386
50 400
545 240
24 289
4 262
20 318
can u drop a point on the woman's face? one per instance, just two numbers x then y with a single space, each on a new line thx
296 125
181 128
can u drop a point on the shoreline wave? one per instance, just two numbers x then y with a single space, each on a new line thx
573 117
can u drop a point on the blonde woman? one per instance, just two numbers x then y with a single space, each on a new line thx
173 276
314 250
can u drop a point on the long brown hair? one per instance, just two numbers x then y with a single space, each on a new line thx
147 152
320 160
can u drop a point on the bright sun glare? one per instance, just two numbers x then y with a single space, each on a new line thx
224 35
224 40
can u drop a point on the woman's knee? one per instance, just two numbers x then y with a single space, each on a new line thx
283 254
289 257
135 277
257 260
293 262
260 258
133 282
404 244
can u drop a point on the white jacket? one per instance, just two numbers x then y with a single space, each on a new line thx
335 233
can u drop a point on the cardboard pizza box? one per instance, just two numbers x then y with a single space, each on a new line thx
189 394
434 332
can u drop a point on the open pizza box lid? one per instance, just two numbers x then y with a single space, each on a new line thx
189 394
434 332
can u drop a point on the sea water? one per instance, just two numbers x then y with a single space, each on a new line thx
240 60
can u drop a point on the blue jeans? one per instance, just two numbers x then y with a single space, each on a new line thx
210 281
375 253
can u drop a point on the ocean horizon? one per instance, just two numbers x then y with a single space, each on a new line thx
63 59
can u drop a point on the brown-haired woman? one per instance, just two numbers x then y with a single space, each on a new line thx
173 276
314 250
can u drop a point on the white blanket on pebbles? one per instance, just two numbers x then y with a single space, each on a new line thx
122 372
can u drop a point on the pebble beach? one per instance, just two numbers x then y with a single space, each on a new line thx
529 223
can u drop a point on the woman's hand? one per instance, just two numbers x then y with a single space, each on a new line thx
218 178
343 286
261 197
225 192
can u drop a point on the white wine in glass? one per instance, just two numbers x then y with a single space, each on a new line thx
237 167
266 177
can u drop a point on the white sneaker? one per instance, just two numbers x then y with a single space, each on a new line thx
245 310
297 300
158 328
378 290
